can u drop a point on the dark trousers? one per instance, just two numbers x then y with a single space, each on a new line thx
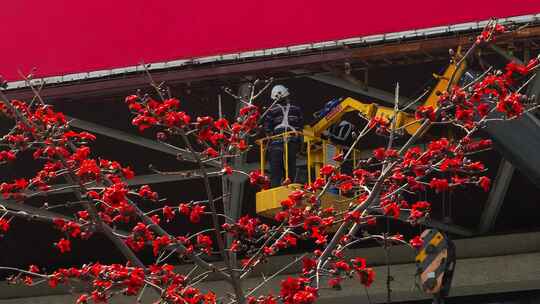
276 156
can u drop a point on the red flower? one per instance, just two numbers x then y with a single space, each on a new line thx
380 123
359 264
83 299
281 216
320 239
392 209
53 282
211 152
290 240
195 215
338 157
450 164
221 124
242 145
227 170
210 298
155 219
184 209
256 178
63 245
367 276
160 242
33 268
476 166
327 170
511 105
8 155
398 175
304 297
418 210
235 246
483 109
308 265
204 121
438 145
318 184
20 184
346 186
245 110
168 213
379 153
335 283
439 185
128 173
131 99
205 242
4 225
416 242
425 112
287 203
146 192
484 182
296 195
342 266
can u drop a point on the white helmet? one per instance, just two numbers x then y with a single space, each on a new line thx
279 91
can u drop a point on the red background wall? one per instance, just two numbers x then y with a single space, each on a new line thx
60 36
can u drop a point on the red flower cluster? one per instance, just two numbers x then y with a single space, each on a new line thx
416 242
71 228
418 210
4 225
425 112
139 237
63 245
257 178
297 291
489 32
14 190
106 279
194 212
366 275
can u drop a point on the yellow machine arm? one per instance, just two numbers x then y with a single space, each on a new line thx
370 110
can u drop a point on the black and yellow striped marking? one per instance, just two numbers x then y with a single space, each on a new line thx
434 241
431 260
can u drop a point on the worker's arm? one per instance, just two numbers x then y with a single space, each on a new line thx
268 122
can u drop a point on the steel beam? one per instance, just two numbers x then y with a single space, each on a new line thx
505 54
496 196
429 222
237 181
166 178
133 139
381 95
138 181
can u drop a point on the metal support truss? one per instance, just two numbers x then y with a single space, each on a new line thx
496 196
134 139
347 84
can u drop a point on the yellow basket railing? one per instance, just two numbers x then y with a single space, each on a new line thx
315 157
